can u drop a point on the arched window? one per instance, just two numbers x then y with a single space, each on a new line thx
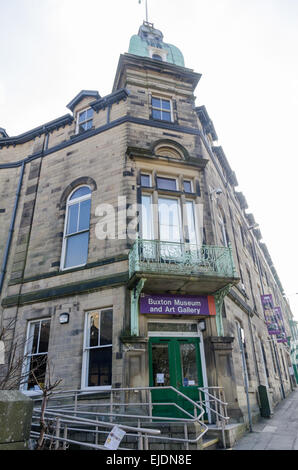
76 229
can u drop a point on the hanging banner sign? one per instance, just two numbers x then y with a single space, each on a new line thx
167 304
281 336
272 325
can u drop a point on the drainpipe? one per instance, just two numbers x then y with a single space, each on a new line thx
11 228
245 378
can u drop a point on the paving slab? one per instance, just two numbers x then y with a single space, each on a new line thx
280 432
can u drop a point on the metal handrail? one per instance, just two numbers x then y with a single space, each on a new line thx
222 419
145 434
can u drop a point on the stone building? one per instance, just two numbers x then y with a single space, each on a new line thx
128 255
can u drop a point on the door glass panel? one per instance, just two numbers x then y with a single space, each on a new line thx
176 327
160 365
189 368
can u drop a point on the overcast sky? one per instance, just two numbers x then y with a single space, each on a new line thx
246 51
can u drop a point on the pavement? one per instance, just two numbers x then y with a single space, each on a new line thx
277 433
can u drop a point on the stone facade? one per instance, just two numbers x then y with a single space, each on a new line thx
124 141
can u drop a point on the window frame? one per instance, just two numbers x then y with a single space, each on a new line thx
161 109
143 173
173 178
67 236
78 123
86 349
191 186
27 355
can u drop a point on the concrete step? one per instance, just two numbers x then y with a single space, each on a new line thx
210 444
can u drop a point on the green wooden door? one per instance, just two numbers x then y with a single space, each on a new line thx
174 361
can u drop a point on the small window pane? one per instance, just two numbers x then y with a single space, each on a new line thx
89 113
82 116
156 114
145 181
84 215
94 329
157 57
38 364
156 102
166 104
166 183
88 125
106 322
166 116
100 367
187 186
44 336
72 225
33 337
77 250
83 191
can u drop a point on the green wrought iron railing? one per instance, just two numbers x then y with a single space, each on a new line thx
155 256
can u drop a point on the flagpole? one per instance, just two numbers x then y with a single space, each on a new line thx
146 11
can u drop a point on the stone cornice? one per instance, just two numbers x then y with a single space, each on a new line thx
38 131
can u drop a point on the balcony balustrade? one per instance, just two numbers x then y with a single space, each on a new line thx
182 266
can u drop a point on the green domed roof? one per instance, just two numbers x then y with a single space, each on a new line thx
149 43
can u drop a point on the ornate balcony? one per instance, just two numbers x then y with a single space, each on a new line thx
170 266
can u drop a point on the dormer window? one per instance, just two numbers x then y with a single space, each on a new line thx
156 57
85 120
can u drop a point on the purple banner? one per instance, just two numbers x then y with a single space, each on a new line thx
281 336
177 304
272 325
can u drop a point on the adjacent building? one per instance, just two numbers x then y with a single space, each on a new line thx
128 256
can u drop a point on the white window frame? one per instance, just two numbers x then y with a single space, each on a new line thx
174 178
165 98
156 50
27 356
150 217
155 212
83 122
145 173
195 221
178 199
86 349
65 237
191 185
223 229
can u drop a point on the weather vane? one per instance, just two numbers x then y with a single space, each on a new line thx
146 6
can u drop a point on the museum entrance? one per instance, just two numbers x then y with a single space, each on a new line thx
175 361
